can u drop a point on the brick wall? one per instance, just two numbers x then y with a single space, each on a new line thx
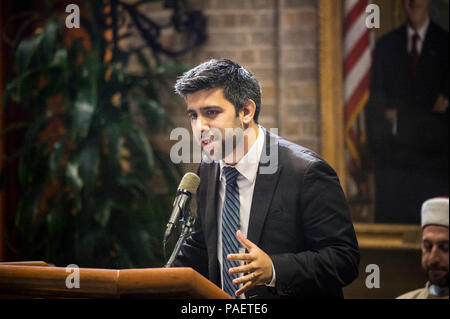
276 40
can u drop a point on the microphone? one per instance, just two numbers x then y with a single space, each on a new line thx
188 186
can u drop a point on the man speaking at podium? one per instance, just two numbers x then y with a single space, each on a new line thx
261 232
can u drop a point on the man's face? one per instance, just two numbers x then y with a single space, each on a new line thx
435 254
416 11
211 113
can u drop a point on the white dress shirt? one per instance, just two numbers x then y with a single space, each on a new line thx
422 32
247 168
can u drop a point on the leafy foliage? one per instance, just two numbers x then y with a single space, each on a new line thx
86 163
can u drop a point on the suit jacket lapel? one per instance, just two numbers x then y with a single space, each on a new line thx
428 50
265 186
210 230
403 61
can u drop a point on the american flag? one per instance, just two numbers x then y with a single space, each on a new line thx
357 66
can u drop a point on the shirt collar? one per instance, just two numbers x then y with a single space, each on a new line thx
421 32
436 290
248 165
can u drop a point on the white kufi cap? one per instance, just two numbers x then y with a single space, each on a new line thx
435 212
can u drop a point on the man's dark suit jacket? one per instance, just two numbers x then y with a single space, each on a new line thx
299 217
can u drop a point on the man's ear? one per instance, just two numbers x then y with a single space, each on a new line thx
247 112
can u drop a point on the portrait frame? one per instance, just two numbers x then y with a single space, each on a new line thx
395 248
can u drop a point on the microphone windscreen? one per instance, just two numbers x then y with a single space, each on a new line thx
190 183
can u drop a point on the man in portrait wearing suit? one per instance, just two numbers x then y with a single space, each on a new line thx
292 223
407 116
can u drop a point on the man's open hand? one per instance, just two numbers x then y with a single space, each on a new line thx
258 268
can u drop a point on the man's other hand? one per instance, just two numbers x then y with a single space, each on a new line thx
258 267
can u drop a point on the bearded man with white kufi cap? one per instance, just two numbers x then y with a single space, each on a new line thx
434 250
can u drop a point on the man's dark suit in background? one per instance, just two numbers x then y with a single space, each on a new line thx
411 160
299 217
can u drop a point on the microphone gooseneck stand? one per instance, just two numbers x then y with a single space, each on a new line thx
185 232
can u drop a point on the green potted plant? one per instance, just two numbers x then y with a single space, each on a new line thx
86 164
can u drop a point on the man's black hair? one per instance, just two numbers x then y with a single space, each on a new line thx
238 84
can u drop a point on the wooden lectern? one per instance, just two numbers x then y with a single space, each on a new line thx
40 280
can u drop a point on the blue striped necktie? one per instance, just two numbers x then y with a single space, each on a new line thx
230 225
